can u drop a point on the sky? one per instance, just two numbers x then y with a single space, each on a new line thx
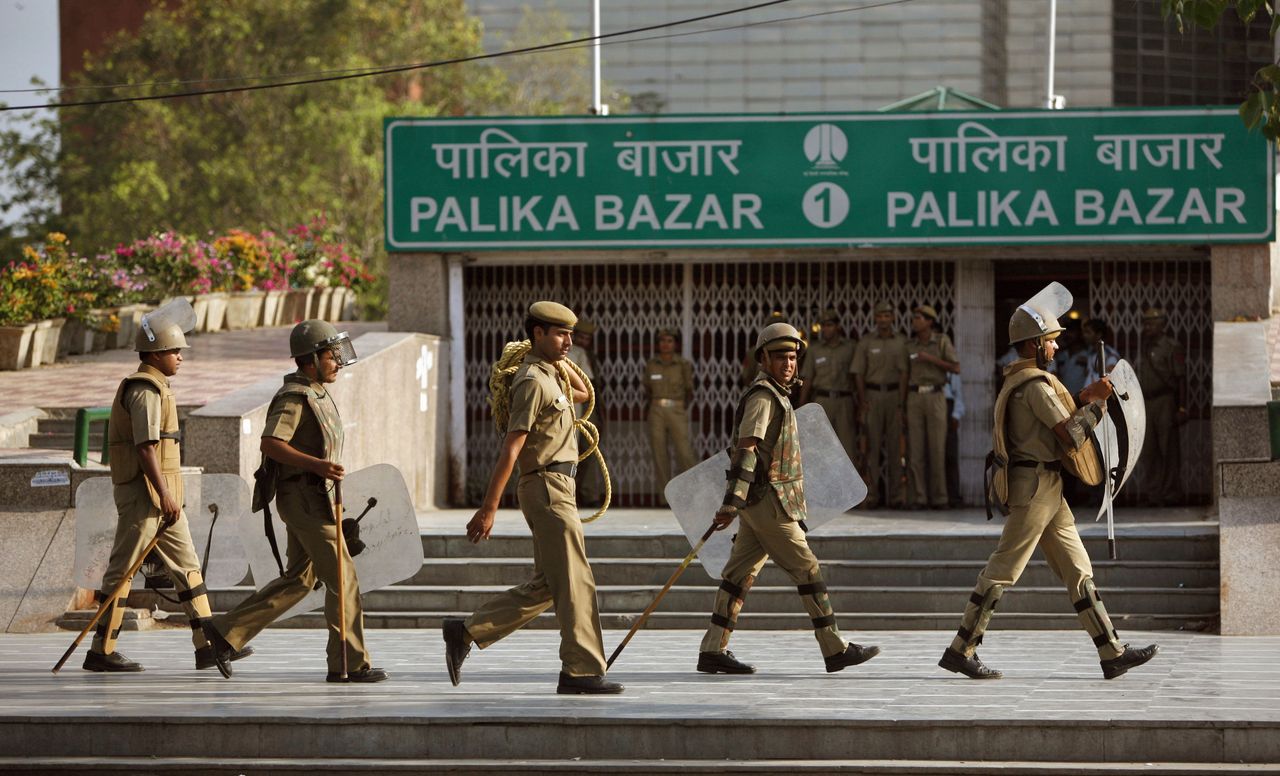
28 46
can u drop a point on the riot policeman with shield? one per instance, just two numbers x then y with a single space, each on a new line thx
1040 429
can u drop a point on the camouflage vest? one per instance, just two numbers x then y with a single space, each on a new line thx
126 464
785 474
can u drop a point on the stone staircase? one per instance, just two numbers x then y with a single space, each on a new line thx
1165 579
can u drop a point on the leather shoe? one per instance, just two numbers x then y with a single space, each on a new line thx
587 685
219 649
1130 658
204 656
852 656
971 666
110 663
456 647
722 663
363 676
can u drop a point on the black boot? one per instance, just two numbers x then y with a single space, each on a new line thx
971 666
456 647
110 663
722 663
1130 658
363 676
204 656
587 685
852 656
219 649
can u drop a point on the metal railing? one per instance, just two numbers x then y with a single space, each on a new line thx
85 417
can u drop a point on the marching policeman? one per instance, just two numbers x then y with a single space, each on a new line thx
541 438
880 369
827 380
1039 428
1162 373
668 385
302 448
144 441
932 358
765 487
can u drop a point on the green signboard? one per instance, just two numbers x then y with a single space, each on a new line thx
1169 175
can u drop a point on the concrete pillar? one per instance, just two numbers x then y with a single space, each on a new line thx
976 343
1244 281
418 293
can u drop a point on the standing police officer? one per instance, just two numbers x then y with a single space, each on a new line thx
146 473
1162 373
668 385
302 447
827 379
880 371
765 487
541 438
932 358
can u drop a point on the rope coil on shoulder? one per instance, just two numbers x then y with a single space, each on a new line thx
500 376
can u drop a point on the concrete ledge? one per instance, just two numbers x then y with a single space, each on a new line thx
1250 530
1244 378
18 426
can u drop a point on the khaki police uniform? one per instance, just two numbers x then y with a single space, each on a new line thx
562 575
146 410
590 480
669 384
304 415
882 361
1160 373
772 525
1038 514
825 372
927 421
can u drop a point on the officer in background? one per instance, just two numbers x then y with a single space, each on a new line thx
765 487
932 358
826 378
590 479
880 369
301 448
542 440
143 440
668 385
1038 426
1162 373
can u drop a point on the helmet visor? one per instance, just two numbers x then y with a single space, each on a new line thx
344 350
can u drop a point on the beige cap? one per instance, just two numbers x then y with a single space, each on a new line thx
667 331
829 315
554 313
883 307
585 327
927 311
1151 313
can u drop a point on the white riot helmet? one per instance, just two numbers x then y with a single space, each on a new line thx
165 328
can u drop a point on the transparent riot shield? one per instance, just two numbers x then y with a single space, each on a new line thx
215 529
378 498
1121 433
832 486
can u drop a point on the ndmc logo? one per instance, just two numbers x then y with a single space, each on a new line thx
825 146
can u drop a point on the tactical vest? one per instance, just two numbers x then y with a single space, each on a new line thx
325 412
1084 462
785 475
126 464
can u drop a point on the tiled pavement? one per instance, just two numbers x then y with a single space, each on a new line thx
91 380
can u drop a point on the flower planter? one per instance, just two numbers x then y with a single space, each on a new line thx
130 318
320 303
244 309
297 305
39 336
15 345
216 313
52 339
337 303
272 307
71 339
102 334
200 305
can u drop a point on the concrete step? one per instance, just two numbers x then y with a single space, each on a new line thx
858 573
60 440
1191 546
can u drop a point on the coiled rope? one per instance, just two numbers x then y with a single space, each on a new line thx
500 375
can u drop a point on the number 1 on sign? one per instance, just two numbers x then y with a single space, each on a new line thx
826 205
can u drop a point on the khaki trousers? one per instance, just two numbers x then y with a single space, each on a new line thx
839 411
1161 467
561 578
765 531
927 448
312 554
669 424
884 429
136 526
1038 516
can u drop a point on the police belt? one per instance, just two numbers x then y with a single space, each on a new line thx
882 386
564 467
669 402
306 478
924 388
824 392
1049 466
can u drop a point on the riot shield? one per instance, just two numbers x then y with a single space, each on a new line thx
379 499
1122 431
832 486
215 529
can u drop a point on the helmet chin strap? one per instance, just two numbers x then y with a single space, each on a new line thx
1042 358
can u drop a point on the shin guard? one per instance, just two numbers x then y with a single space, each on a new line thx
977 615
108 628
194 597
1097 623
818 604
724 615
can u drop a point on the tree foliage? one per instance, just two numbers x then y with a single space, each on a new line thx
1262 106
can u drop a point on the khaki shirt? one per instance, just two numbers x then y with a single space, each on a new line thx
827 367
290 420
881 360
668 379
539 405
1032 413
930 374
757 414
142 400
1163 367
